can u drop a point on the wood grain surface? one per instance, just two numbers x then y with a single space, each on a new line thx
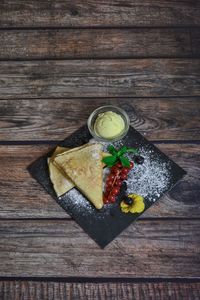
195 41
59 60
49 13
97 43
37 290
100 78
50 119
22 197
167 248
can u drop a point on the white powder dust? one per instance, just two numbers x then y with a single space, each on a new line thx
79 201
150 179
82 207
95 154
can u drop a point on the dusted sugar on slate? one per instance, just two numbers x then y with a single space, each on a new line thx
150 179
76 199
81 206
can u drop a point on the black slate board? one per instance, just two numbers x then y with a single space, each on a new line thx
104 225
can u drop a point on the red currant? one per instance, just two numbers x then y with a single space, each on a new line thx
108 190
105 200
115 191
114 169
131 165
109 182
123 176
106 194
111 176
118 183
111 198
125 170
119 165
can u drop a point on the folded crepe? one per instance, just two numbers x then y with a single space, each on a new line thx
61 183
84 167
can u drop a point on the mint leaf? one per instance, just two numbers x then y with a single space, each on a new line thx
110 160
112 149
122 151
125 162
132 150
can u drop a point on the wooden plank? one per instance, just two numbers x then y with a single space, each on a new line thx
94 43
99 13
37 290
165 248
100 78
50 119
195 40
22 197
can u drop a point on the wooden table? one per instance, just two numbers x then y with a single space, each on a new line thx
59 61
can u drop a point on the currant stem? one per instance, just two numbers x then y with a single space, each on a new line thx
114 180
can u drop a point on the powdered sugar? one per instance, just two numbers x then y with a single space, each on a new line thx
152 178
95 154
81 206
78 201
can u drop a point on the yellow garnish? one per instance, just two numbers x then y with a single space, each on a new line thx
136 207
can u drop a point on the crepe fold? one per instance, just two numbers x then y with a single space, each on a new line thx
80 167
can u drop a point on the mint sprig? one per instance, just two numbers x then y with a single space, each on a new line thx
118 155
110 160
124 161
112 150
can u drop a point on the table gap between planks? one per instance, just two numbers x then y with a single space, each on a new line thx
59 60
